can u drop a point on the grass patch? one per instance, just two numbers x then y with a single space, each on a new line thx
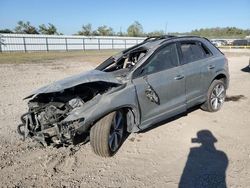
44 57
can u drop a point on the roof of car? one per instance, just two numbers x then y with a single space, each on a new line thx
153 41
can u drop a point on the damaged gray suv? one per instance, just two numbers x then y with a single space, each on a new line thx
129 92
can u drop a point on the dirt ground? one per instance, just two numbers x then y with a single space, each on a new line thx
161 157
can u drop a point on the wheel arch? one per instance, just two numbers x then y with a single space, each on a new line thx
221 76
132 116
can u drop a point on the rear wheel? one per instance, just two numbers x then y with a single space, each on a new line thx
215 96
107 135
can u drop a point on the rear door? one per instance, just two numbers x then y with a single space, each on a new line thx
160 86
192 60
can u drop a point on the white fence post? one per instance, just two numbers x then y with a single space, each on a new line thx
47 45
0 44
24 44
99 46
83 44
66 43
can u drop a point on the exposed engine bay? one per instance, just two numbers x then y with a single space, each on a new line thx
123 61
43 121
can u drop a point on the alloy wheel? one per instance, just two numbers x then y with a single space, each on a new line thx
218 96
116 131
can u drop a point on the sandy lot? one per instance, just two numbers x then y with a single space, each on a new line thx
161 157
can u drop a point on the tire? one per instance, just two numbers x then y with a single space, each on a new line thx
215 96
105 133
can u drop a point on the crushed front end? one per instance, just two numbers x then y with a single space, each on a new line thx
43 122
49 106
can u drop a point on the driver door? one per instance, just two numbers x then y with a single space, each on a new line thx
160 86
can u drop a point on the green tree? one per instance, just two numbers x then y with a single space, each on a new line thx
135 29
105 31
95 33
48 30
25 28
5 31
156 33
218 32
86 30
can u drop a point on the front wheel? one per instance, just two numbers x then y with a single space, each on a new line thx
107 135
215 96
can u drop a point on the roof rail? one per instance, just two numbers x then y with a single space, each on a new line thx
189 36
159 37
183 36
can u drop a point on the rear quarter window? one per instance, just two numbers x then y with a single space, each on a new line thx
193 51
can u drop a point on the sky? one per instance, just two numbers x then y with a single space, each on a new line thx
174 16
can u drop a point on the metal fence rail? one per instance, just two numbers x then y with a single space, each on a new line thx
231 47
29 43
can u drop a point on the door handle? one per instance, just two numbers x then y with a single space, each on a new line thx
211 66
179 77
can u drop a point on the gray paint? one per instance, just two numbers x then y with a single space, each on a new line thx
85 77
149 98
121 97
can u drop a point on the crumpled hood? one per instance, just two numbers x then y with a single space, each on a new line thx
86 77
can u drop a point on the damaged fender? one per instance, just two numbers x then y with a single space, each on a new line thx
117 98
69 106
